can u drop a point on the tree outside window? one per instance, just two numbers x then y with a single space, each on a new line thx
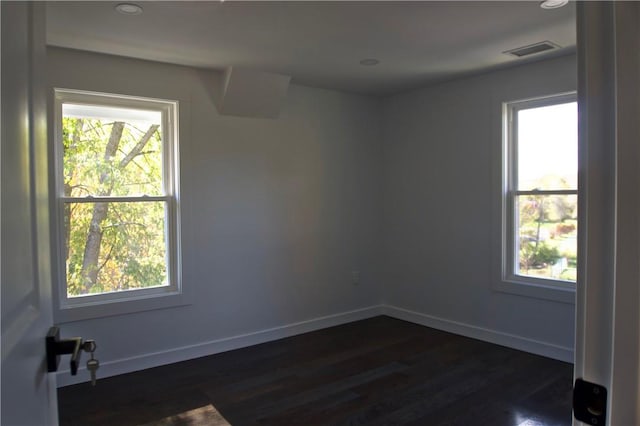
116 180
541 198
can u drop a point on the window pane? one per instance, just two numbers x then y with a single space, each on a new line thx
114 246
548 147
547 236
111 151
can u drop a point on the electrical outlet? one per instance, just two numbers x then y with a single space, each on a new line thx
355 277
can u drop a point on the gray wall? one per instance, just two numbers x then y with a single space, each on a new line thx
442 174
275 213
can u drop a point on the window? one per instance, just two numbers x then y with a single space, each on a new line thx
540 201
117 196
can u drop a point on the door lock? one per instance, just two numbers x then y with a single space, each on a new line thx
589 402
74 346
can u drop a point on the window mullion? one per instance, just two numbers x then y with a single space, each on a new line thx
130 199
547 192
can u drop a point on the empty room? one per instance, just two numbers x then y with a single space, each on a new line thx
320 213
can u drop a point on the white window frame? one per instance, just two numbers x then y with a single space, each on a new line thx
135 300
511 282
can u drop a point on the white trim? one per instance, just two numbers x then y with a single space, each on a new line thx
509 281
156 359
513 341
607 320
557 291
106 304
184 353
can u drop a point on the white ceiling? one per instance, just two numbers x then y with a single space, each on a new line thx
320 43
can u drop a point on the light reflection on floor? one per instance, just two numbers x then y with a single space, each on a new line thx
523 420
202 416
530 422
208 416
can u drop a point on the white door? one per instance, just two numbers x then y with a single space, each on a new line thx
608 295
28 391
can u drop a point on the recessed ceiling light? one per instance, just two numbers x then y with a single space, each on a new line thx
129 9
369 62
553 4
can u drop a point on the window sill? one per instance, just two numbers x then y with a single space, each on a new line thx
557 291
100 309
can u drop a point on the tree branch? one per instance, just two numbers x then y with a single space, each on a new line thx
121 224
138 148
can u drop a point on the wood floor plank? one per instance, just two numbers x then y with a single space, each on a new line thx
379 371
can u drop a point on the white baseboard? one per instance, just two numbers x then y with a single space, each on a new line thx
156 359
499 338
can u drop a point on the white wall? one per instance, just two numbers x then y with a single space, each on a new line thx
441 204
275 214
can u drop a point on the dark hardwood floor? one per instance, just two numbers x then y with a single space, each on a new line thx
379 371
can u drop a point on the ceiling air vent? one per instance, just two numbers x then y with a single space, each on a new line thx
532 49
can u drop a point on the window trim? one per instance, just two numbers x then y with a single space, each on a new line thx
510 282
100 305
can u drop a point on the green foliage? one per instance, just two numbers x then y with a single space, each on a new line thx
132 249
539 255
569 274
547 230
